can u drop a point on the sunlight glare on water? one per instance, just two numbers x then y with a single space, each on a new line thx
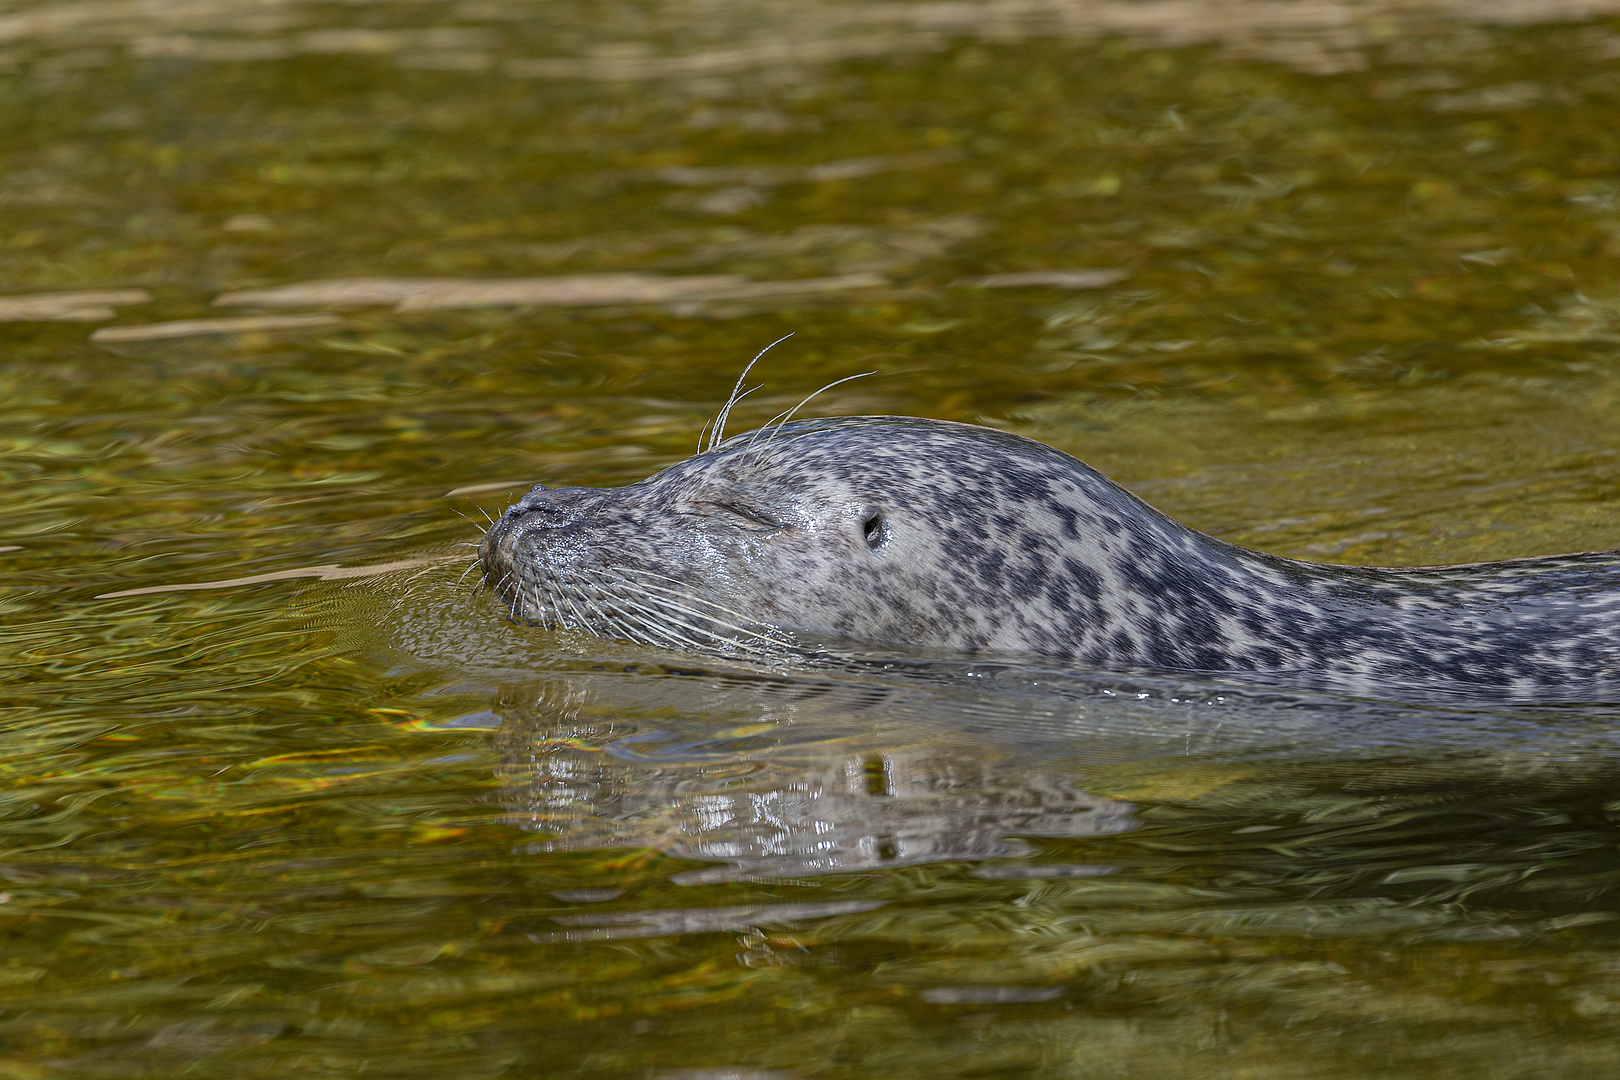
293 288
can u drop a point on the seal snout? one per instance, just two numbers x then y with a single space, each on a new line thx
514 552
495 555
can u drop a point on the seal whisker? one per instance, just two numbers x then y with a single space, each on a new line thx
496 586
783 418
667 617
678 592
541 600
626 626
470 521
548 598
661 605
656 633
665 605
642 570
614 626
737 395
568 597
535 598
648 621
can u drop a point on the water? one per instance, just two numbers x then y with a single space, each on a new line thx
1352 296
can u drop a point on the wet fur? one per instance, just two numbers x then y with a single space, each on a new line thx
991 541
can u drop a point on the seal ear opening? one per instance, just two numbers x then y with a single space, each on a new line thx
875 530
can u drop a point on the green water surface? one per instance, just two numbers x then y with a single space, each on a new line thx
1364 307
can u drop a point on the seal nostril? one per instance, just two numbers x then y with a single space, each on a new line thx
876 534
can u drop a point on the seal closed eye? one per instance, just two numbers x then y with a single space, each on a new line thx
1010 545
757 517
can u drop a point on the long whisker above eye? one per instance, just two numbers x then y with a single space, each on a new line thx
720 421
782 418
737 394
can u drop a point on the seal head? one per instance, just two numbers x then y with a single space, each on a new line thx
926 533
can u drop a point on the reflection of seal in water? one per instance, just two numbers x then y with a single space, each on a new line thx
824 787
902 531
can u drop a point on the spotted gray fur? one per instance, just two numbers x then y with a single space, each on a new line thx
924 533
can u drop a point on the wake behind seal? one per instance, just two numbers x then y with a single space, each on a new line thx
931 534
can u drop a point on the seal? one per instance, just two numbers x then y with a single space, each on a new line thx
930 534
